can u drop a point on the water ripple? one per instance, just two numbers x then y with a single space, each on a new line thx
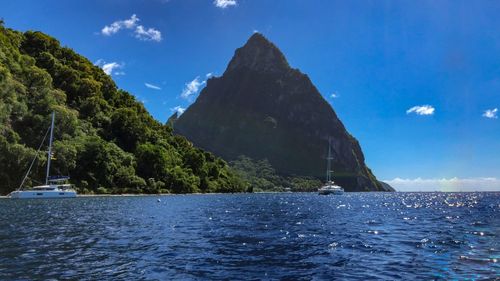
253 236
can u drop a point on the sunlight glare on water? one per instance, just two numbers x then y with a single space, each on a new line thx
259 236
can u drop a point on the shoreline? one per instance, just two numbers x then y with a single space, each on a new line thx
260 192
142 195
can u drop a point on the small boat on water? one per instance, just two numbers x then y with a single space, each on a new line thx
54 187
330 187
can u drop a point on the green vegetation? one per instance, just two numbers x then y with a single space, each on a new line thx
262 177
105 140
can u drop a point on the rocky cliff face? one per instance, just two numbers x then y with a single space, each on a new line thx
263 108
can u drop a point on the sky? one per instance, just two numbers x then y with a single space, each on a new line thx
416 82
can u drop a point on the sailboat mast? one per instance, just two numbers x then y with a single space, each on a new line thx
49 153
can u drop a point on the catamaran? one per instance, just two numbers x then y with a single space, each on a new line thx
330 187
55 186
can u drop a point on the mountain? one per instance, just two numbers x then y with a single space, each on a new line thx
264 109
105 139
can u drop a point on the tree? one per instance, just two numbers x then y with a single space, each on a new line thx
105 139
180 181
153 161
104 164
126 129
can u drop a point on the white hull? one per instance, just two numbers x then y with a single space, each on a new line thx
331 189
328 192
31 194
44 191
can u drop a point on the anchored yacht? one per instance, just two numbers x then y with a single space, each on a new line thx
54 187
330 187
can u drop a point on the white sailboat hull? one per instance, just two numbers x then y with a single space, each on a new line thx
42 194
331 189
38 192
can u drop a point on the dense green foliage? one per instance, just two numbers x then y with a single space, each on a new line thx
262 177
105 140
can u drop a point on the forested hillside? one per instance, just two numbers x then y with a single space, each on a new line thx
261 176
104 138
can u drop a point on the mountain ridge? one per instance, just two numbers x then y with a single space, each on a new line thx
264 109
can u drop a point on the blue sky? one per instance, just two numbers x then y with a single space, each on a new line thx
416 82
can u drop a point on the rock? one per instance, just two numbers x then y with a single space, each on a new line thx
264 109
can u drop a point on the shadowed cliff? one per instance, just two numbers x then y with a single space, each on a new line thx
264 109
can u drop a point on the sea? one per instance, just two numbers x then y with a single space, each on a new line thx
262 236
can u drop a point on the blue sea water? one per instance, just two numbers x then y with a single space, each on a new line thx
358 236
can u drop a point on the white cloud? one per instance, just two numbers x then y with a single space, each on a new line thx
178 109
421 110
140 32
192 88
149 34
224 3
491 113
208 75
151 86
110 68
334 95
120 24
451 184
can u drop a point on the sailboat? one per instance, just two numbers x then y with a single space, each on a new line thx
54 187
330 187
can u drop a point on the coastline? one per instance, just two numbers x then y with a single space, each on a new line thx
163 194
146 195
259 192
